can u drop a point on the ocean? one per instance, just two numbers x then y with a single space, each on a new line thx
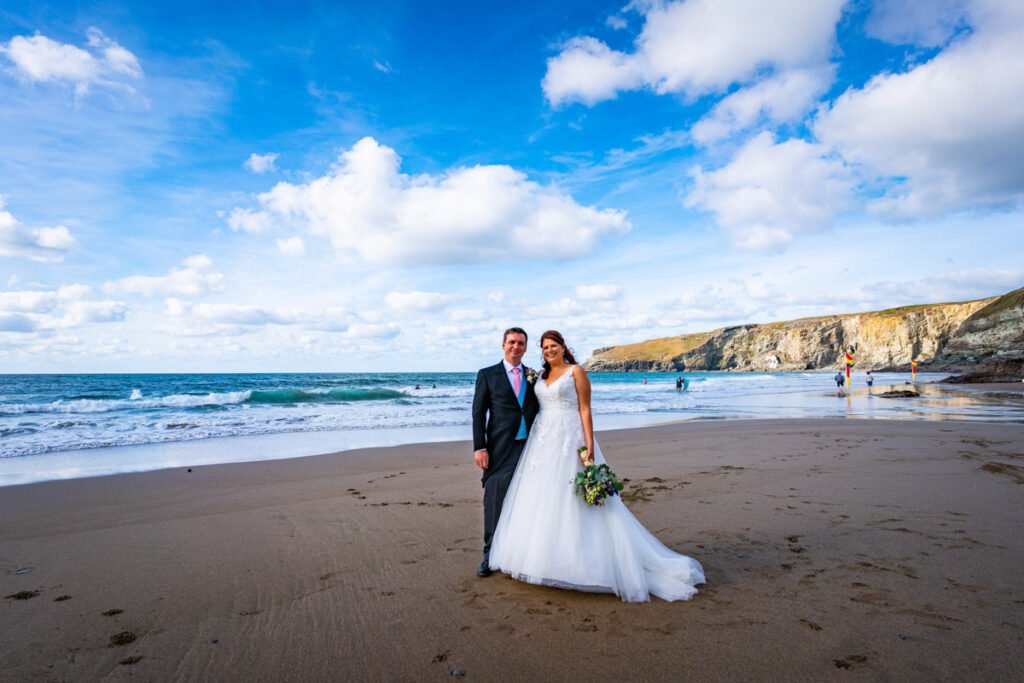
55 426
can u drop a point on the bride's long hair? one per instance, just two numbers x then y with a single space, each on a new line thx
555 336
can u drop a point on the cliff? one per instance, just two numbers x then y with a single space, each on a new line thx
955 335
990 341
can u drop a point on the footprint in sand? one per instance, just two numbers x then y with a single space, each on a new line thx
849 661
122 638
22 595
112 612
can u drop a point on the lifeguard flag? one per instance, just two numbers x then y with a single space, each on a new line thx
913 364
849 358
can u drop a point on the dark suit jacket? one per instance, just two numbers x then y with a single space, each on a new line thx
497 415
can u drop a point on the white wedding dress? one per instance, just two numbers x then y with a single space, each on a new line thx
547 535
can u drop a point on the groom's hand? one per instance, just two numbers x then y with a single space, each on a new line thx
482 459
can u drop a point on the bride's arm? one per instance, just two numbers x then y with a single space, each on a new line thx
583 391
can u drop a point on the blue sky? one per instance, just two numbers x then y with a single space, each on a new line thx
346 187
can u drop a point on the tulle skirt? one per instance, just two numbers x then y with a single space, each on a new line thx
547 535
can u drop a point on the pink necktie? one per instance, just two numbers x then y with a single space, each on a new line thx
517 381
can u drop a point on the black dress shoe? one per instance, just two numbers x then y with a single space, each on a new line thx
484 570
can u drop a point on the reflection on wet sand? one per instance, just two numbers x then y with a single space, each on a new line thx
938 402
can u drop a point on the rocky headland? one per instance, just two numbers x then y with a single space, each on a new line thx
985 337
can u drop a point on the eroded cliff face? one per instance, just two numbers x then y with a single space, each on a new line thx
991 339
883 339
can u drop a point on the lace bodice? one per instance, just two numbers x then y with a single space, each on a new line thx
560 396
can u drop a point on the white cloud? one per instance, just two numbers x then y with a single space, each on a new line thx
38 244
42 301
588 71
481 213
250 221
770 192
383 67
372 331
785 97
292 246
616 22
195 278
70 306
41 59
187 319
407 302
261 163
228 314
947 134
82 312
696 47
598 292
963 285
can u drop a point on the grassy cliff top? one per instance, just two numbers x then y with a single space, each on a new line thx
665 347
885 313
1008 300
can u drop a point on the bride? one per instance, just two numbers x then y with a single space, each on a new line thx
547 535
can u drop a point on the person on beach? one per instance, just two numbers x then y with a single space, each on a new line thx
504 408
870 379
840 381
547 535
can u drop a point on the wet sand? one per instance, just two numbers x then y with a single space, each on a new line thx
857 550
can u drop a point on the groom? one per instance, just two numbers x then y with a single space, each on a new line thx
504 407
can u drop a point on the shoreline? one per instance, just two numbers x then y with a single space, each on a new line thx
122 459
885 549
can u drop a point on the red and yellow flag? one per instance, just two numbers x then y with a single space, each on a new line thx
849 358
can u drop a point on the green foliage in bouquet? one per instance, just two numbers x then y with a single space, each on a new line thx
596 483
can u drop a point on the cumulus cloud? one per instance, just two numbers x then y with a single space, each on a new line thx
782 98
598 292
37 244
696 47
408 302
196 277
367 206
947 134
247 220
770 192
102 62
261 163
70 306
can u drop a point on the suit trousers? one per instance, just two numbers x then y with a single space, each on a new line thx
495 489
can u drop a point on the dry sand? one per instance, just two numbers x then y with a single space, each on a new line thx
846 550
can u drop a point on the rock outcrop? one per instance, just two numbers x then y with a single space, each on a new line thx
990 343
952 334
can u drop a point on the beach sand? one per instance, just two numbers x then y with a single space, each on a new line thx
851 550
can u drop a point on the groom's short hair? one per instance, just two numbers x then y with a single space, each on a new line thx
514 330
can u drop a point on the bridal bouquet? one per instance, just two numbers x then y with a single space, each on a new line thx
596 483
